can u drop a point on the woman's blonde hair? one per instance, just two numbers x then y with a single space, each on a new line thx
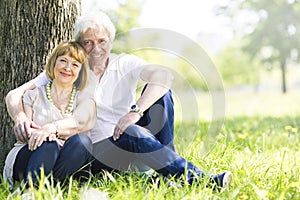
74 50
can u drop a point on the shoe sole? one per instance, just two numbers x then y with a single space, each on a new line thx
227 179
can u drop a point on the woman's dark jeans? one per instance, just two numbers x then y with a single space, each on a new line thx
62 162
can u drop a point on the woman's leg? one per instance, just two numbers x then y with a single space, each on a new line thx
44 156
21 162
75 154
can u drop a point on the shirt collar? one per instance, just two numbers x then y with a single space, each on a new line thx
111 61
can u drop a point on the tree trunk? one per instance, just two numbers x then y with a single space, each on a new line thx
283 75
29 30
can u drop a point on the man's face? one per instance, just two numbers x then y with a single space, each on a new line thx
97 44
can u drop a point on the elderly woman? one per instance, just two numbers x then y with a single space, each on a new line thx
54 142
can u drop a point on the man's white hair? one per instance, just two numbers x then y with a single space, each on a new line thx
94 20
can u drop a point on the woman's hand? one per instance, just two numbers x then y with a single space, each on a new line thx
38 136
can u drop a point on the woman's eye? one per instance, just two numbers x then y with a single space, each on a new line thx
76 65
63 60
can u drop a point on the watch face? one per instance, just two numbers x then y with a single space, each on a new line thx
133 107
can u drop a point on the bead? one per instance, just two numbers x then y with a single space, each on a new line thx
71 101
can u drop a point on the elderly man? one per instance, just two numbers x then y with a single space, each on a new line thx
126 129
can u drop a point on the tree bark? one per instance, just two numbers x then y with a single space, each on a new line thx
283 76
29 30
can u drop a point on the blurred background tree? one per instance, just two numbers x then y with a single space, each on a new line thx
125 17
237 67
271 32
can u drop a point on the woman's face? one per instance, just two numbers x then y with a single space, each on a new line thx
97 44
66 70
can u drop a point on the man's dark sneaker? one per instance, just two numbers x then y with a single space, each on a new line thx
221 180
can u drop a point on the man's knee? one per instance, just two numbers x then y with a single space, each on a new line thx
137 131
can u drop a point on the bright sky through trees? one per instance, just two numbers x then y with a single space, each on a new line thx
189 17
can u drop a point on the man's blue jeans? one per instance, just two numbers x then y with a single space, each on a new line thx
139 143
62 162
159 120
150 141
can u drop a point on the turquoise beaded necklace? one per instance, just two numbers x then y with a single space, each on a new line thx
71 101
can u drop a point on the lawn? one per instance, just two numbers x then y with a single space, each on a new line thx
257 139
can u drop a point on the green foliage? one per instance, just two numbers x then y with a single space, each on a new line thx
271 30
277 29
125 17
190 74
268 24
237 67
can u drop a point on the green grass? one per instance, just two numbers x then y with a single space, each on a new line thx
261 148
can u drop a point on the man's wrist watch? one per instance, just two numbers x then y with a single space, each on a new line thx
135 108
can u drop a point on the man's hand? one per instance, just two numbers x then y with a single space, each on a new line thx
125 121
23 126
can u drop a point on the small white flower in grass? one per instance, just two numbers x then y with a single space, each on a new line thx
93 194
261 193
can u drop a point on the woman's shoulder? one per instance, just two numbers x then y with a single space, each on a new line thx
35 93
37 90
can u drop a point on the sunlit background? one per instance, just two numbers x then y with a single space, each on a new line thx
195 19
249 44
